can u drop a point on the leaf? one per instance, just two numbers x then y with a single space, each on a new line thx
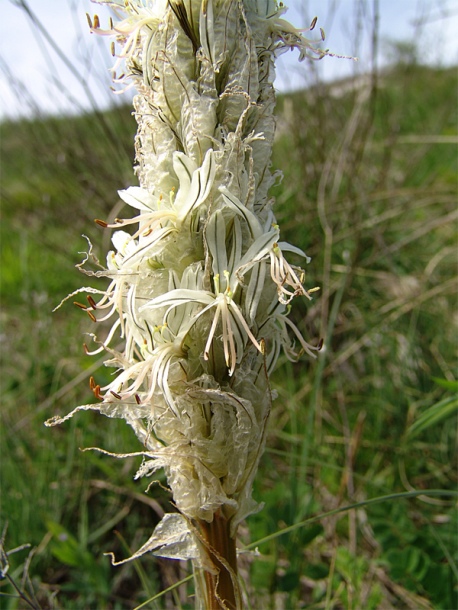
444 383
408 564
316 571
443 409
67 549
311 533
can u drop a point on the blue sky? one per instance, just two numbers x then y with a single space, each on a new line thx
42 81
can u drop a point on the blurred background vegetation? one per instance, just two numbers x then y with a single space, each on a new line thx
370 192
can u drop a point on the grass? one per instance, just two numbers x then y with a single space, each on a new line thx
371 196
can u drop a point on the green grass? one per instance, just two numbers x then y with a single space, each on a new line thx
372 198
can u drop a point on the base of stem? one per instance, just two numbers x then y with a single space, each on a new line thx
222 588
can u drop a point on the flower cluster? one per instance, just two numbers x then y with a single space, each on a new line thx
199 284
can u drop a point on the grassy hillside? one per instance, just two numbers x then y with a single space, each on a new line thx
369 191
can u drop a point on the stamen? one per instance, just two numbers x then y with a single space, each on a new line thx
228 290
138 400
116 395
97 393
80 305
96 22
89 20
92 383
91 302
101 223
91 315
216 283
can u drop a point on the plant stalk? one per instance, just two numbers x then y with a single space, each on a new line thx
222 590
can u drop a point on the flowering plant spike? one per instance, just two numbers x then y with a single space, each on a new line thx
199 286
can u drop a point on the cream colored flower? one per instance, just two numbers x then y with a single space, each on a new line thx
199 284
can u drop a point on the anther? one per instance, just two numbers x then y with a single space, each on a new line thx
89 20
313 24
138 399
96 22
101 223
91 302
86 349
112 48
80 305
91 315
116 395
97 393
92 383
320 344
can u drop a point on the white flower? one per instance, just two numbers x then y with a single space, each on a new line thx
141 19
199 289
195 184
266 246
234 327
